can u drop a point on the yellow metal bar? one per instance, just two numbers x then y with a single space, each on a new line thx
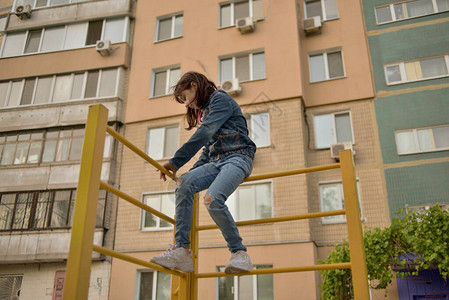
280 219
355 234
280 270
137 261
77 280
137 203
139 152
292 172
194 240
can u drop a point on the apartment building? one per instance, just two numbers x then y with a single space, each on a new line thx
56 59
301 72
409 52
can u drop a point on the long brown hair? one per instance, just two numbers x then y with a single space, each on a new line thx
203 92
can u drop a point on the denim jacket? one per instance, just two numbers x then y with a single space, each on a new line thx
224 131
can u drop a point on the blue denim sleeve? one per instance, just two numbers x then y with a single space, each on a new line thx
220 110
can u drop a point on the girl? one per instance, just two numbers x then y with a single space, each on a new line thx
226 160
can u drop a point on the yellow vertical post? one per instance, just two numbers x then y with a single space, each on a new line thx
194 240
355 234
76 285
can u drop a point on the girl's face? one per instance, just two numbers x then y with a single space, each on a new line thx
188 95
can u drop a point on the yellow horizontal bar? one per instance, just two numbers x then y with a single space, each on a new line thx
279 270
139 152
292 172
137 261
130 199
280 219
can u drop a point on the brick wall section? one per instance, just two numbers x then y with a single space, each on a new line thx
368 171
391 47
410 110
417 185
289 194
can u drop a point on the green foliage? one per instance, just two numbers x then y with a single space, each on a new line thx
410 244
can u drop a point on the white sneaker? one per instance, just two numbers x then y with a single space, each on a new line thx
239 263
175 258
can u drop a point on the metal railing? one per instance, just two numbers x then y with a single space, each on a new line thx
185 285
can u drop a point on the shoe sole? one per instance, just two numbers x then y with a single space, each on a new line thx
180 267
235 270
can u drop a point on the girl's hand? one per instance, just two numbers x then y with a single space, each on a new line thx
170 168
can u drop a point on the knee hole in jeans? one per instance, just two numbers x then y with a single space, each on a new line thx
207 201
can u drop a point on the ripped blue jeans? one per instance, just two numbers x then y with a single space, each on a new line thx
221 177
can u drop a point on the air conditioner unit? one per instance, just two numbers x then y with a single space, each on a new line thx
104 47
312 24
245 25
232 86
23 11
336 148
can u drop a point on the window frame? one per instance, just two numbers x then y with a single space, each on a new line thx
124 38
325 53
235 203
172 30
33 3
154 283
232 12
51 91
168 69
323 10
158 220
250 120
234 57
148 142
414 131
403 71
334 128
235 285
32 208
107 154
339 219
394 18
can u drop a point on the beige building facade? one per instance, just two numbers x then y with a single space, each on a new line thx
303 88
51 71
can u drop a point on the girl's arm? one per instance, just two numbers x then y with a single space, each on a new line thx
220 111
204 158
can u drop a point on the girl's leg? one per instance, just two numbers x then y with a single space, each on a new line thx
233 169
188 185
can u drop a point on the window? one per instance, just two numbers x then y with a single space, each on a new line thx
421 140
164 80
231 11
422 69
259 129
326 9
42 209
421 209
409 9
10 286
252 287
47 146
152 285
245 67
45 3
162 142
169 27
70 36
332 128
326 66
59 88
251 201
165 203
332 198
